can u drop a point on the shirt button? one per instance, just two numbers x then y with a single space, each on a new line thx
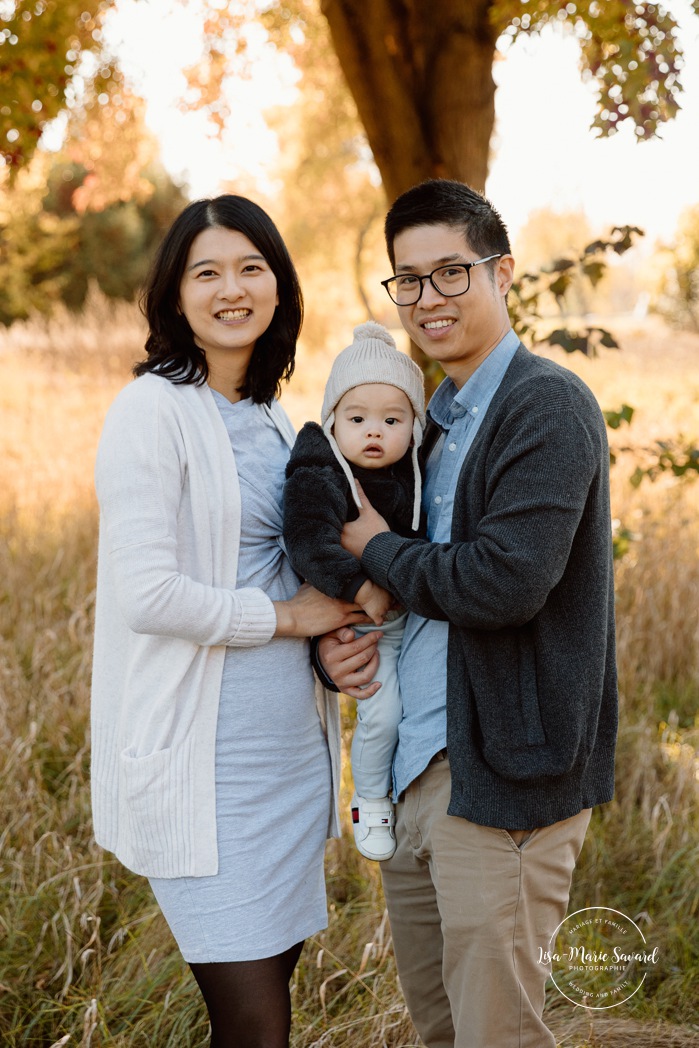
474 409
452 447
438 500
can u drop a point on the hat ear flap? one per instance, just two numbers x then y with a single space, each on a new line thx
327 429
417 497
329 423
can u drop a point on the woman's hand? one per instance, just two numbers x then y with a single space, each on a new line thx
351 662
310 613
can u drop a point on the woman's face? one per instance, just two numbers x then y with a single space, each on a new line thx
228 295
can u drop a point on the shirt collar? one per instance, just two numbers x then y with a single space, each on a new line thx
449 403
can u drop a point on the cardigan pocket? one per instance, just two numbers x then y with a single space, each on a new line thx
506 692
159 805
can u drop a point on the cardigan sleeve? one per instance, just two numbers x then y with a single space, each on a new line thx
541 466
142 470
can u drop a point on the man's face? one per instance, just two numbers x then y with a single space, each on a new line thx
458 332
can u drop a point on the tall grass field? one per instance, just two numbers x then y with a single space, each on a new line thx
85 957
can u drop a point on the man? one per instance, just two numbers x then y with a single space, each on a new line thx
507 670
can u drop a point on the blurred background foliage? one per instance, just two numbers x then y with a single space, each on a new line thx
677 296
51 59
51 247
94 207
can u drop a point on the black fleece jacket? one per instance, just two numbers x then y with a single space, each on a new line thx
318 501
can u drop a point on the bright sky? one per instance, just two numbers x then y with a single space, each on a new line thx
544 153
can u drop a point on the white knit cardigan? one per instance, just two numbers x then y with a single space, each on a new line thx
167 607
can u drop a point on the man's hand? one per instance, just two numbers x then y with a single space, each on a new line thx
374 600
356 533
351 662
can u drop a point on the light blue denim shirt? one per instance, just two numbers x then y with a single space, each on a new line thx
422 667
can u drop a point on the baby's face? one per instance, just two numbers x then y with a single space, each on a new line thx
373 425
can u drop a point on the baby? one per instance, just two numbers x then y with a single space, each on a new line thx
373 417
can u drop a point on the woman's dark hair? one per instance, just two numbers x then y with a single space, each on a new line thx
172 351
443 201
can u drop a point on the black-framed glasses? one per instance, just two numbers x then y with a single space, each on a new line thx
450 281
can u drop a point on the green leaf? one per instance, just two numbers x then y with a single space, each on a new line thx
614 419
560 285
594 271
621 240
625 241
621 540
596 246
559 265
607 340
570 341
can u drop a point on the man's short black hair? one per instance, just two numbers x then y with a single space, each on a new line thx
448 202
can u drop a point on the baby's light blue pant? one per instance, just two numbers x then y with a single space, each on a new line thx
378 717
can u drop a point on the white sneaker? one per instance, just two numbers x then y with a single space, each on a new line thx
373 822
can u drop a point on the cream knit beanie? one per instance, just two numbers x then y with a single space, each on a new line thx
374 357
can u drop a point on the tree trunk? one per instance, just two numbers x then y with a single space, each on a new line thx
421 76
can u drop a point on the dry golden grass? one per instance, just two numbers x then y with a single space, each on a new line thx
85 957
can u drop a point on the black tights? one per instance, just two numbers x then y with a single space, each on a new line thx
248 1001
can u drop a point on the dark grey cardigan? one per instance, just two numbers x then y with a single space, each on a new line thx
527 586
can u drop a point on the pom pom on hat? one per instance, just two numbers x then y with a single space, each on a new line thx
374 357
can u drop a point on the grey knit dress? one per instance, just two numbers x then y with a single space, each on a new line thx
273 788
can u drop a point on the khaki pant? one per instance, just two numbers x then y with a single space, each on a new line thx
469 909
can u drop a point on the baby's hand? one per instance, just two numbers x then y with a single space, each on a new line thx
374 600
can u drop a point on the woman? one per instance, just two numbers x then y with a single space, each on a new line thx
211 755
